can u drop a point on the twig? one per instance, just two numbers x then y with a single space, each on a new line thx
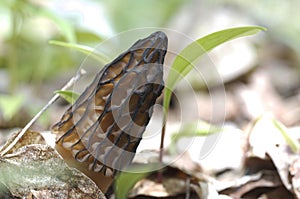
35 118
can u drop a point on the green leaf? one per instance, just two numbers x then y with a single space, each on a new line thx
68 95
10 105
196 129
183 63
294 144
126 180
84 49
193 129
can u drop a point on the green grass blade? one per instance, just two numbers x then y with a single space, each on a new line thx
183 63
294 144
68 95
84 49
126 180
193 129
196 129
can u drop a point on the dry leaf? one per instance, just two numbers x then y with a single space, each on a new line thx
174 183
251 184
30 137
38 171
295 173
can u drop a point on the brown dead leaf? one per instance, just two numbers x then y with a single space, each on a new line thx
38 171
282 157
174 182
277 193
32 169
254 187
295 176
30 137
268 150
263 137
286 163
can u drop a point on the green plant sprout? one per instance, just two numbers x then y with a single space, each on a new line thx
193 129
68 95
127 179
184 61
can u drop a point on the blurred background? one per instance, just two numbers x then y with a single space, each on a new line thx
260 73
